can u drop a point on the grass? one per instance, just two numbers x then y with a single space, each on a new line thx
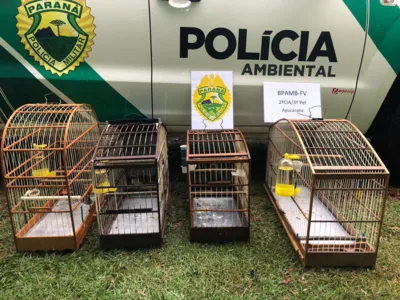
266 267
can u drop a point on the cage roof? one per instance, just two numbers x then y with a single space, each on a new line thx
331 145
222 144
40 123
129 141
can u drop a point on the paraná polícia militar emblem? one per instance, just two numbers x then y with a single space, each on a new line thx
57 33
212 98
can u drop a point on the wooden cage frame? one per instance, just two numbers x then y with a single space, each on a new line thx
219 148
124 146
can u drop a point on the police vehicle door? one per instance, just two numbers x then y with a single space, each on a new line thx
299 41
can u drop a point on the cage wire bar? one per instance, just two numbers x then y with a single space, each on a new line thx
46 151
219 185
336 218
132 184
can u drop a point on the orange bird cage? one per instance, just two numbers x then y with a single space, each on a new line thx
46 164
328 187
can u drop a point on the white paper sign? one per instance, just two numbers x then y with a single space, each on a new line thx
291 100
212 100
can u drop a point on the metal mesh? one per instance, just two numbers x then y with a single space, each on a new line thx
336 145
216 143
342 183
128 141
131 179
46 165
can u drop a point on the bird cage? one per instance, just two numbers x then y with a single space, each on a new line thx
131 183
333 212
218 164
46 152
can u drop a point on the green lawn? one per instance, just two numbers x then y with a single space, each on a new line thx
193 271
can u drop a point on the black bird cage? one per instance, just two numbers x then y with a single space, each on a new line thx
218 164
131 183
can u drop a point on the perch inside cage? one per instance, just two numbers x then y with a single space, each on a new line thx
218 177
46 151
329 193
131 184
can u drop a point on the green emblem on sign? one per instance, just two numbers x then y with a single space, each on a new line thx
212 98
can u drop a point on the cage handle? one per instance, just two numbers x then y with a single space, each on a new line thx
139 120
310 116
205 126
47 100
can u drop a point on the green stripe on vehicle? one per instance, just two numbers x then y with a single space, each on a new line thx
84 85
384 27
28 89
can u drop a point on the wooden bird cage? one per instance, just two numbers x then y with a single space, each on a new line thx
334 217
46 151
219 185
131 183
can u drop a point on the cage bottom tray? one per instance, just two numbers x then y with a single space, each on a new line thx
59 224
135 223
216 219
336 234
